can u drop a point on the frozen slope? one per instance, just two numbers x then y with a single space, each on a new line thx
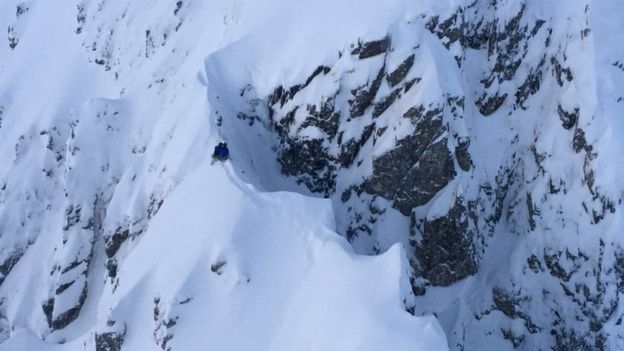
227 267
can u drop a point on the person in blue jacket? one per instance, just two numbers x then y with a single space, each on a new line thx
221 152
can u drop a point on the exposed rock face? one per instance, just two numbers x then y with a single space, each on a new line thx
418 167
424 142
306 160
108 342
445 249
411 181
371 48
112 339
8 264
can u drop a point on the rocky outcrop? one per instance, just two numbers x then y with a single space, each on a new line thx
112 339
108 341
445 247
9 263
409 178
368 49
318 141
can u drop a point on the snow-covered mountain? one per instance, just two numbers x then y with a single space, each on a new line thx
410 175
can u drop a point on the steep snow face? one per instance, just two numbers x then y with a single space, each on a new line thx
116 233
483 135
248 270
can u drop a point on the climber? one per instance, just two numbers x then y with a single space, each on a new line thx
221 152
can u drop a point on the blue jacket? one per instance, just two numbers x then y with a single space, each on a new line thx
224 152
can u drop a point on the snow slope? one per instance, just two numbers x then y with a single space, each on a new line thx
225 266
117 234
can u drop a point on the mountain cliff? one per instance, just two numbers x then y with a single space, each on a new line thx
470 148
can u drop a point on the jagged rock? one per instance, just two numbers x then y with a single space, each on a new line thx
164 324
5 324
9 263
447 29
309 161
446 252
562 74
413 172
396 76
511 306
505 303
490 104
216 267
568 119
521 59
116 240
70 315
531 84
12 38
72 216
533 211
64 287
385 102
112 267
619 268
48 310
154 204
462 154
109 341
363 96
569 339
324 118
371 48
282 95
552 261
579 142
534 264
350 149
516 341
